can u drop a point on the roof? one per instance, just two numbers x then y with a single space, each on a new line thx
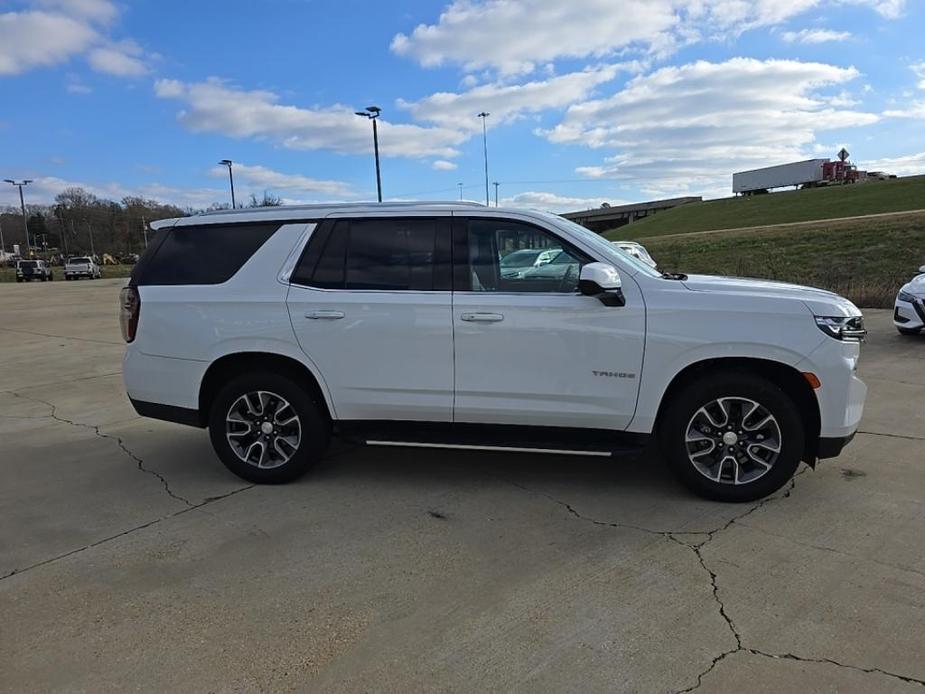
297 212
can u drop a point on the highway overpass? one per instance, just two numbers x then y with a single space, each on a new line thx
603 218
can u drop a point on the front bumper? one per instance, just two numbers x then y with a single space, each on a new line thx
908 315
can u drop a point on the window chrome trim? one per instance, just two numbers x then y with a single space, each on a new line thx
293 258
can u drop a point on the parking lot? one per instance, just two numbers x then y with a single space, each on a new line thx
131 559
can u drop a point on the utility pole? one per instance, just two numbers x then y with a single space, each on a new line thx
496 184
228 163
92 249
22 206
484 116
2 246
372 113
144 229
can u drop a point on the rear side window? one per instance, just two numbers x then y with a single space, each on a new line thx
208 254
378 254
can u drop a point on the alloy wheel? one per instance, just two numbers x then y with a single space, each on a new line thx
263 429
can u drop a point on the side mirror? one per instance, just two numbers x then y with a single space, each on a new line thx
922 269
602 281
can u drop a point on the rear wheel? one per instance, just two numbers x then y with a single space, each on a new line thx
733 436
266 429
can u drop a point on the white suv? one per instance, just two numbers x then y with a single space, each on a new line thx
394 323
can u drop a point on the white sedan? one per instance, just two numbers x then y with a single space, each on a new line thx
909 312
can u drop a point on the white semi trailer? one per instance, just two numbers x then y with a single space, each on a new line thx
794 174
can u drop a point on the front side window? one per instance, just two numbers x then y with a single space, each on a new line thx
377 254
508 256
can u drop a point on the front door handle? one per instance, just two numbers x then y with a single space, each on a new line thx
482 317
323 314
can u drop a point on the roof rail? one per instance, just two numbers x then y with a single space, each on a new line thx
346 205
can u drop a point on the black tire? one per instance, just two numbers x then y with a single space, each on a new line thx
315 427
680 413
908 331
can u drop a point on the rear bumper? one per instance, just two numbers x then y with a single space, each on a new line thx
168 413
832 447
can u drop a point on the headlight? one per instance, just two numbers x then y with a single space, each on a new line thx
848 329
905 296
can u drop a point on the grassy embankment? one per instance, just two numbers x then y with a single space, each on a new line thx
866 260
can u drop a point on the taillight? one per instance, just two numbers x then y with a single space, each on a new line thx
129 308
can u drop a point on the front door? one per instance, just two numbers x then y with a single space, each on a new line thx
371 308
531 350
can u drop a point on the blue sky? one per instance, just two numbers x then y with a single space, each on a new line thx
591 100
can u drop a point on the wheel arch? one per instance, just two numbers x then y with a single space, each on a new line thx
788 378
231 365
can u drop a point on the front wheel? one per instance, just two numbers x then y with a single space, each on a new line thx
733 436
266 429
908 331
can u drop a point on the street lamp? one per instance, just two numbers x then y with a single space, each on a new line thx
228 163
22 206
484 116
460 190
496 184
372 112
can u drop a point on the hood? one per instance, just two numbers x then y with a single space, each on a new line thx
916 286
819 301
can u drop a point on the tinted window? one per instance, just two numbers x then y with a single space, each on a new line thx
208 254
381 254
491 242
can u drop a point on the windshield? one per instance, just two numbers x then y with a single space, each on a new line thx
600 244
79 261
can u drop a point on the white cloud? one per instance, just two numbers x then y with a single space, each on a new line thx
443 165
505 102
43 190
815 36
122 59
256 179
908 165
515 36
216 106
919 70
59 30
39 39
915 110
689 127
78 88
554 202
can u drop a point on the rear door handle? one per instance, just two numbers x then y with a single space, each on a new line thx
482 317
323 314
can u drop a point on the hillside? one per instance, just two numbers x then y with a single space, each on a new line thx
864 260
780 208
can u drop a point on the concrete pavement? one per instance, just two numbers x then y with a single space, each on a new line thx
131 559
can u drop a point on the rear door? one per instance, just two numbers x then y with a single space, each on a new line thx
370 303
531 350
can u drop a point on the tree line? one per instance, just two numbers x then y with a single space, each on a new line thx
80 223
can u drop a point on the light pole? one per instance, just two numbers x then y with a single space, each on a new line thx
22 206
90 231
496 184
228 163
460 190
484 116
2 246
372 112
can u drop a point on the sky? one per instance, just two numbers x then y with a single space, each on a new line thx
590 101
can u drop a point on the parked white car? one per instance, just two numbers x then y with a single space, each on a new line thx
81 266
637 250
909 309
277 328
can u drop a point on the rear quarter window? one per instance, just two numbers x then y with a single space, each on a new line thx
208 254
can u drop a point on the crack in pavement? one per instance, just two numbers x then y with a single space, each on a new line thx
60 337
893 436
123 533
683 538
53 414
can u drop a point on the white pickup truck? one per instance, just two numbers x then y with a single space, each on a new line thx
81 266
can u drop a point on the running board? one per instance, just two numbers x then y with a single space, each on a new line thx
499 449
493 437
